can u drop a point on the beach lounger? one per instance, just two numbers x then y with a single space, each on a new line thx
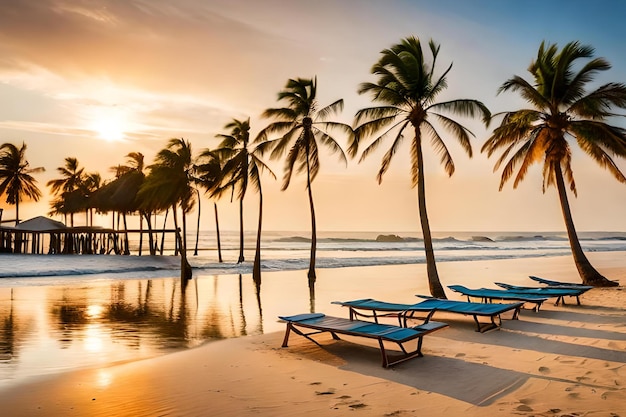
375 309
558 284
487 295
321 323
550 292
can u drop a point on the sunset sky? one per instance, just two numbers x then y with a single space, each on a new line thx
98 79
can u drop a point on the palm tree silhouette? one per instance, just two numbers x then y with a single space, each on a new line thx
241 167
408 88
66 188
304 127
170 183
16 178
561 110
209 176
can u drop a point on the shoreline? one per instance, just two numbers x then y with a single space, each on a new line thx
567 358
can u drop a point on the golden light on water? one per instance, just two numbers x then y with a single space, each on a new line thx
94 311
94 338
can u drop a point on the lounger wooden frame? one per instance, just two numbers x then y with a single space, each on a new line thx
320 323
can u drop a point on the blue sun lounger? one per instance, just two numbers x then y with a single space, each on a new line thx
550 292
558 284
321 323
487 295
374 309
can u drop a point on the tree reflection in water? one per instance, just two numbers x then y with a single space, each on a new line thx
47 328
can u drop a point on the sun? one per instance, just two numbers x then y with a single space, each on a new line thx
110 124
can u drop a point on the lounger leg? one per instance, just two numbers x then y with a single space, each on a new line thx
286 339
482 328
383 353
405 355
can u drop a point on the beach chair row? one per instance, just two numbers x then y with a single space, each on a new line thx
310 324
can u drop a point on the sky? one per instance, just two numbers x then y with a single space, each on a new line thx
96 80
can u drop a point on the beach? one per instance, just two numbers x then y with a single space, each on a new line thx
565 360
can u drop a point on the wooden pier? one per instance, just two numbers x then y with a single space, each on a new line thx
85 240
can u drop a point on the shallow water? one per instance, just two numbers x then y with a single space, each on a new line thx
52 328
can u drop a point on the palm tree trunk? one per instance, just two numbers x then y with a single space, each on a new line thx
241 257
256 267
17 210
140 234
588 274
195 251
436 290
311 273
151 243
185 268
217 231
126 245
178 242
163 233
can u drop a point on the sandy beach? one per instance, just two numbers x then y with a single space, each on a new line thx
561 361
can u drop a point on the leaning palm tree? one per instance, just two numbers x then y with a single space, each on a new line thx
242 166
66 188
209 176
15 177
562 109
304 127
408 87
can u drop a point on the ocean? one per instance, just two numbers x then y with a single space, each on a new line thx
66 312
287 251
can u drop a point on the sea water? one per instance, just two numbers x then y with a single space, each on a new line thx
64 312
291 251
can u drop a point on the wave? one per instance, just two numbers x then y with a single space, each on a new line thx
292 252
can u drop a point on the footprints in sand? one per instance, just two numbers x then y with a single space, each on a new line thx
344 401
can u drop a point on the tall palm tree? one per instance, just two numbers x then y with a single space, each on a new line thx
170 183
562 109
304 127
209 176
66 187
233 149
241 167
16 178
408 87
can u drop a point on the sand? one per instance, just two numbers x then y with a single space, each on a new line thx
561 361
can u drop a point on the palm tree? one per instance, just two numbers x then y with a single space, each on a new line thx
209 176
241 167
90 185
561 110
407 87
15 177
234 151
120 195
303 127
170 184
66 187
